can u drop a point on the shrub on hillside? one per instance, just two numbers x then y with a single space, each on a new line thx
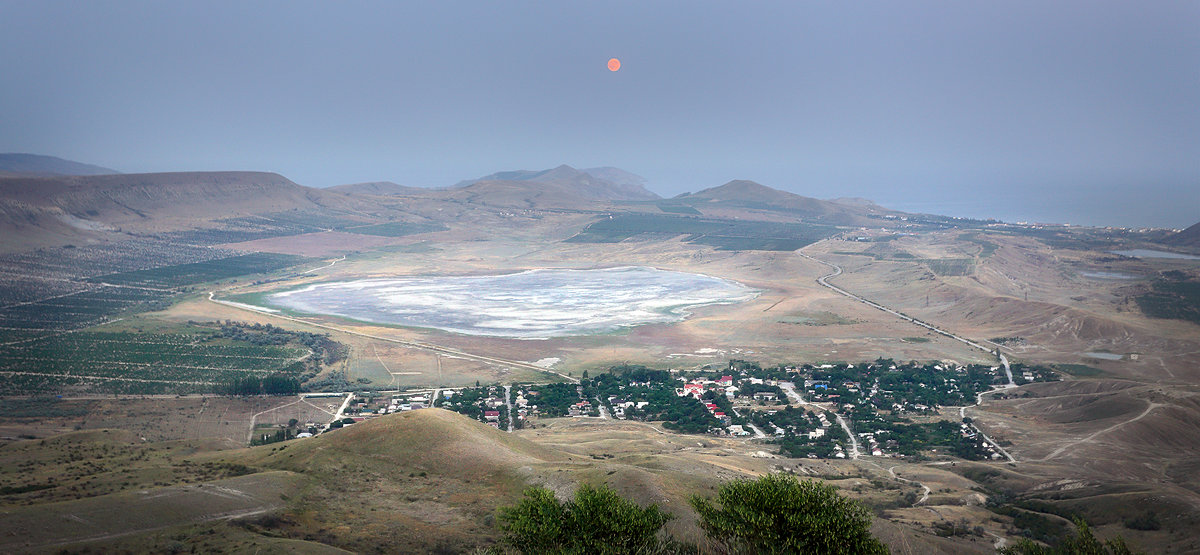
778 513
597 520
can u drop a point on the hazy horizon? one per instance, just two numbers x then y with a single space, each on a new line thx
1079 112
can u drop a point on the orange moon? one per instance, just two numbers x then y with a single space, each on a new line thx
614 64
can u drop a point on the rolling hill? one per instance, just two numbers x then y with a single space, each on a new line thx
1189 237
429 479
749 195
35 165
594 184
383 188
50 210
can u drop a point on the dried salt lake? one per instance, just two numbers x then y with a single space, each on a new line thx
534 304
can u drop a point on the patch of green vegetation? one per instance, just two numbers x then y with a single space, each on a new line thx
1082 541
949 266
823 318
178 275
917 339
422 247
736 243
1145 521
24 488
1080 370
43 407
882 254
28 321
197 359
857 253
1174 296
1034 524
678 208
986 248
397 229
723 234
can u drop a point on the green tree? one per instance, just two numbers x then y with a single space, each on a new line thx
1082 543
778 513
597 520
535 525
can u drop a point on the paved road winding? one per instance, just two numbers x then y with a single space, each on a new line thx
790 391
837 271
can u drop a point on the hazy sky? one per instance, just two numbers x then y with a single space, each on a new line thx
1087 112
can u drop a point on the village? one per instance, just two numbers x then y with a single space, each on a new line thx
809 411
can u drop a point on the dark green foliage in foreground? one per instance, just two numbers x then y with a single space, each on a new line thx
1082 543
1174 296
596 521
778 513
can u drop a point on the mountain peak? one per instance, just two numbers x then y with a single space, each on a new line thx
744 190
749 195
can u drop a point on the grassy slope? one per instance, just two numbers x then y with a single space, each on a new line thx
428 480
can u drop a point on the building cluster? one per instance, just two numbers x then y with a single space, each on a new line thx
969 432
620 407
361 408
699 386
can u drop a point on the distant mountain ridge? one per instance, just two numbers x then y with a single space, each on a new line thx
604 183
37 165
50 209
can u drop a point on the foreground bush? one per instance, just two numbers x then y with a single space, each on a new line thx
778 513
597 520
1082 543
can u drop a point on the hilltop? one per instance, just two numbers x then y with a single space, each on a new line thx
434 440
1189 237
595 184
430 480
749 195
37 165
383 188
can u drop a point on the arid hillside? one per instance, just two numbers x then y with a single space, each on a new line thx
50 210
429 480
